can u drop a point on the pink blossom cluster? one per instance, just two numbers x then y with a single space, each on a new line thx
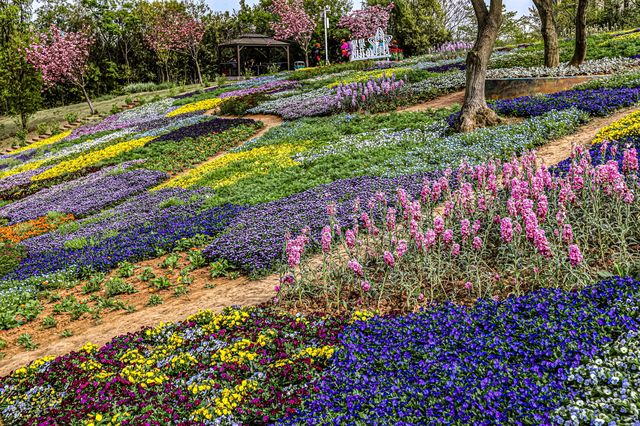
364 23
60 56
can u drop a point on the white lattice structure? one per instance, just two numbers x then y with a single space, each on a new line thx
378 47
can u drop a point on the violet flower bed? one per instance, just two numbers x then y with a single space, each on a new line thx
253 242
495 363
203 128
598 102
84 195
133 230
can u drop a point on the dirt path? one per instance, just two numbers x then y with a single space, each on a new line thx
440 102
204 293
559 149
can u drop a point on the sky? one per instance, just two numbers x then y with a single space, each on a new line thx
521 6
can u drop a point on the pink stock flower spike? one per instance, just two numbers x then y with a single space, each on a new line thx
355 266
388 259
575 256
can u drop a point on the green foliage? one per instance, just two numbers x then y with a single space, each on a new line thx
49 322
170 261
20 84
219 269
117 286
10 256
132 88
94 284
155 300
71 117
161 283
196 259
239 106
66 333
176 156
199 240
26 341
146 275
126 270
416 24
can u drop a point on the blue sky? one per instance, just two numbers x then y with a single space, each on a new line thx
223 5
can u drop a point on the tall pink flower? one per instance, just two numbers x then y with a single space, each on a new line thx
630 160
388 259
506 229
465 230
447 236
567 234
455 249
366 286
331 209
542 243
356 267
575 256
438 224
350 238
325 239
401 248
391 219
477 243
543 207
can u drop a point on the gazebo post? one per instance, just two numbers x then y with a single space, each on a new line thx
238 51
288 60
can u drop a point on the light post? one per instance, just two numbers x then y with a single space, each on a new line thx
326 26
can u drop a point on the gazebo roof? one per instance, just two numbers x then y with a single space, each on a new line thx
254 40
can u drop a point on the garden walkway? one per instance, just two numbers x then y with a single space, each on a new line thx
225 292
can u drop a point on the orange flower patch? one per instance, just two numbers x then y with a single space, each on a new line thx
33 228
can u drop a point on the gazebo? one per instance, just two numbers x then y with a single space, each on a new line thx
261 46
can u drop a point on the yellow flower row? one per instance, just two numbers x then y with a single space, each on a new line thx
367 75
626 126
25 167
234 166
91 158
203 105
48 141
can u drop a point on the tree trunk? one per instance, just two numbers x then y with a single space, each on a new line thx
475 112
580 52
198 68
24 120
549 32
86 96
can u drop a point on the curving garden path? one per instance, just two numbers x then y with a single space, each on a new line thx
216 294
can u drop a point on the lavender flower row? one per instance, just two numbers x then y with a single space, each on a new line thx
133 231
265 88
84 195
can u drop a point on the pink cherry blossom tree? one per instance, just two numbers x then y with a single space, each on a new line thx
294 24
62 57
174 30
364 23
190 32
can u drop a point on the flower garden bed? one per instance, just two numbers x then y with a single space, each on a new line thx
455 279
508 360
